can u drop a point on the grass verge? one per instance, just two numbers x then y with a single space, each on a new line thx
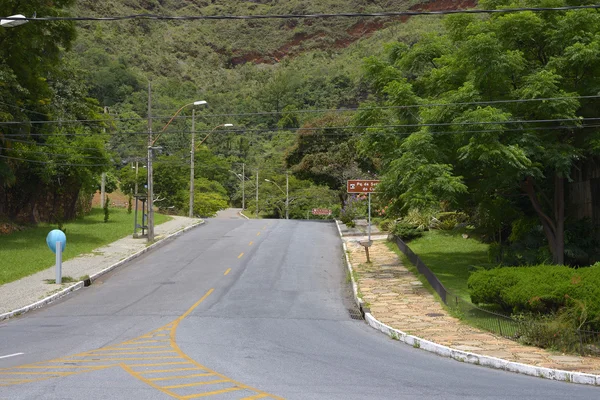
24 253
450 257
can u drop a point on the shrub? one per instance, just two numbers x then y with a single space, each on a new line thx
447 221
106 210
572 293
387 225
419 218
407 232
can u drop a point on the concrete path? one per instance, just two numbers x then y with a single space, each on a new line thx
397 299
28 290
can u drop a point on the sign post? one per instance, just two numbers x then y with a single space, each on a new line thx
364 186
57 241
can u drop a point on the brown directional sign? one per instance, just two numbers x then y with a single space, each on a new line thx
321 211
361 186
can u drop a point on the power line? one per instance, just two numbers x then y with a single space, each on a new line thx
55 163
305 111
342 127
306 16
51 154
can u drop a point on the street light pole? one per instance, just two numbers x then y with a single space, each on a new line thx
150 191
243 186
191 212
257 193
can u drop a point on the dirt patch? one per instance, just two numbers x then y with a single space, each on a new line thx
117 199
357 31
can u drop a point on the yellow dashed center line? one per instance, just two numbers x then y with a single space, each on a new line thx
258 234
241 254
250 244
228 270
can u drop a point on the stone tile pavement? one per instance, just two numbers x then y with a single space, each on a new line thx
398 299
30 289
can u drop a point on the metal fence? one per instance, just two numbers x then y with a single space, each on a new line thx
532 332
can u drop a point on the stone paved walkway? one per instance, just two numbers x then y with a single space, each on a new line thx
398 299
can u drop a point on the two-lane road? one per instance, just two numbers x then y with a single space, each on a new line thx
234 309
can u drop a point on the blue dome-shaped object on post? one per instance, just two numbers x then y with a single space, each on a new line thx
54 236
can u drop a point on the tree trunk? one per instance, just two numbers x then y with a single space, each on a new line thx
554 228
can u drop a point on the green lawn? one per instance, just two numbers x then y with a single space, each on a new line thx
24 253
449 256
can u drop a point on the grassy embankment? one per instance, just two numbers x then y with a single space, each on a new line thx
24 253
449 256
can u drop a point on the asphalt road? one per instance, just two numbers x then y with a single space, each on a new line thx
234 309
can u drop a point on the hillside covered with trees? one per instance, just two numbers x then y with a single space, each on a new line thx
481 115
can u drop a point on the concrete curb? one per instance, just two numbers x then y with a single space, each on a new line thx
243 215
95 276
464 356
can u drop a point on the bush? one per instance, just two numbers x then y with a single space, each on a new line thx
419 218
387 225
447 221
407 232
545 289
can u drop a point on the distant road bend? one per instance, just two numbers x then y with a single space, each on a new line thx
235 309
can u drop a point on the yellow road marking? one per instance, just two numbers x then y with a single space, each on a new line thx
265 227
129 348
241 254
196 384
96 354
156 371
127 359
159 364
154 385
166 378
250 244
228 270
95 357
258 396
195 396
258 234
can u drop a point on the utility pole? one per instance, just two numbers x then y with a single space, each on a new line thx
257 193
103 184
287 195
243 186
103 190
150 189
191 213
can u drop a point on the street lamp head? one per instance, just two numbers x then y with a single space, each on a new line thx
199 103
228 125
267 180
19 19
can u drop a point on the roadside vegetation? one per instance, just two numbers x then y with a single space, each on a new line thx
25 252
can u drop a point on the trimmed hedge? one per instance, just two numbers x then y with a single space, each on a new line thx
541 289
406 232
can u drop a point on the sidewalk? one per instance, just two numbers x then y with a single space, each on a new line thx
398 299
33 288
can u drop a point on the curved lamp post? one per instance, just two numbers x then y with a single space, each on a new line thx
150 155
191 208
286 193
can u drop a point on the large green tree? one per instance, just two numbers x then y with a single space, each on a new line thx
456 143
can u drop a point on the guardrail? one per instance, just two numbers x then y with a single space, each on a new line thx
580 341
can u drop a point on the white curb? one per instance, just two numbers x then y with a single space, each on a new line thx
464 356
243 215
95 276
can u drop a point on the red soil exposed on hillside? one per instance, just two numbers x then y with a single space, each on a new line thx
357 31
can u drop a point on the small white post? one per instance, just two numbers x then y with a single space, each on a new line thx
58 263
